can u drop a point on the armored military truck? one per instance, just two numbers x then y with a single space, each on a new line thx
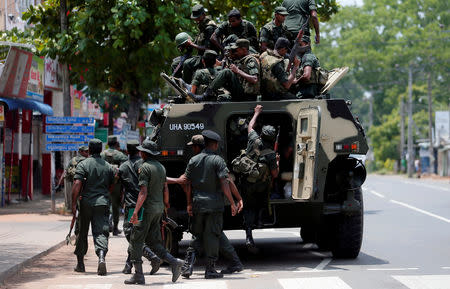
319 185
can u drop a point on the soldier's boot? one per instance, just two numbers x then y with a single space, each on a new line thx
210 272
80 264
206 96
234 266
188 265
249 242
128 266
154 260
101 269
116 230
175 264
138 276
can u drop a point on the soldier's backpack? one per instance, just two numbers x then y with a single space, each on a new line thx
253 165
71 169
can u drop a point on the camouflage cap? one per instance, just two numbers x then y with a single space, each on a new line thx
83 148
95 141
240 43
211 135
234 13
112 139
197 11
281 10
268 133
150 147
197 140
132 145
305 38
209 54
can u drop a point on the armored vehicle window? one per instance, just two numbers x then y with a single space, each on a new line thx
304 125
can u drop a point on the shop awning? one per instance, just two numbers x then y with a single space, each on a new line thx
16 103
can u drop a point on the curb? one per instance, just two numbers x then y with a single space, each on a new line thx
15 270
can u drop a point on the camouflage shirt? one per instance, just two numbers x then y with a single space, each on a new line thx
206 28
71 168
128 174
270 33
245 30
114 157
152 174
250 65
254 138
202 78
299 10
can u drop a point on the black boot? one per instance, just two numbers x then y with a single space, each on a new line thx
249 241
80 264
210 272
175 264
154 260
116 230
101 269
188 265
128 266
234 266
138 276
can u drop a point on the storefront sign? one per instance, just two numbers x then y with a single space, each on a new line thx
2 113
35 88
53 74
15 74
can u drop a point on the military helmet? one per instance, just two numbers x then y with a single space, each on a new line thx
268 133
181 38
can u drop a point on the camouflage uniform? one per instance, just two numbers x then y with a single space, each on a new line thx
246 31
202 78
311 88
269 33
206 28
299 11
273 74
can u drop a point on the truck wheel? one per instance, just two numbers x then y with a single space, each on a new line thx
349 232
308 234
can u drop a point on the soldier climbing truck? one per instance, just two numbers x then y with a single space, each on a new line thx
319 185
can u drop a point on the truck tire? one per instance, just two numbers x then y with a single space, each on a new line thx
349 232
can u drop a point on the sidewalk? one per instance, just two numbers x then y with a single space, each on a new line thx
28 230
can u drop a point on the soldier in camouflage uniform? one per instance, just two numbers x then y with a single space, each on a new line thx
241 79
273 30
203 77
128 174
275 80
146 218
92 186
115 158
206 28
235 25
299 11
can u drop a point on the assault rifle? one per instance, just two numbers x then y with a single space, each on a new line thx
296 49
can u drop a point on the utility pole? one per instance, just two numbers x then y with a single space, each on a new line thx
402 134
410 167
65 68
430 126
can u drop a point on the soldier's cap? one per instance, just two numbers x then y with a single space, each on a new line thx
281 10
132 144
95 141
234 13
150 147
282 43
211 135
197 11
83 148
268 133
305 38
240 43
197 140
112 139
209 54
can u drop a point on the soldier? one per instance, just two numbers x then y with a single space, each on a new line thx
93 180
256 192
197 144
241 78
115 158
299 13
208 175
203 77
128 174
69 172
310 78
206 28
275 29
275 80
185 66
235 25
146 218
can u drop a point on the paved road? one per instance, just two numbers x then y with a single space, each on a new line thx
406 245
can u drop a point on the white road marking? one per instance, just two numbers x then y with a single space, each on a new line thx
323 264
445 267
420 211
377 194
317 271
207 284
392 269
314 283
427 185
425 281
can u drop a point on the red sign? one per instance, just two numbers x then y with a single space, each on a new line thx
15 74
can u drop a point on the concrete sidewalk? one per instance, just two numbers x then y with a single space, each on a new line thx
28 230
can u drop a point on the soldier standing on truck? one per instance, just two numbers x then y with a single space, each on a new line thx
146 217
128 174
256 189
115 158
206 28
238 26
299 13
275 80
197 144
275 29
241 79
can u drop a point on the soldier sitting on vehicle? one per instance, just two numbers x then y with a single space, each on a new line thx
235 25
184 66
273 30
241 78
203 77
275 80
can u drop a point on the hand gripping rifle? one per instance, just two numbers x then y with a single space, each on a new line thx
297 48
74 219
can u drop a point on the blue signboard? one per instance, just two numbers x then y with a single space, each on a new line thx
68 137
63 147
69 129
69 120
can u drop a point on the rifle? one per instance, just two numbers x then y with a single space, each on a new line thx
72 223
295 49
